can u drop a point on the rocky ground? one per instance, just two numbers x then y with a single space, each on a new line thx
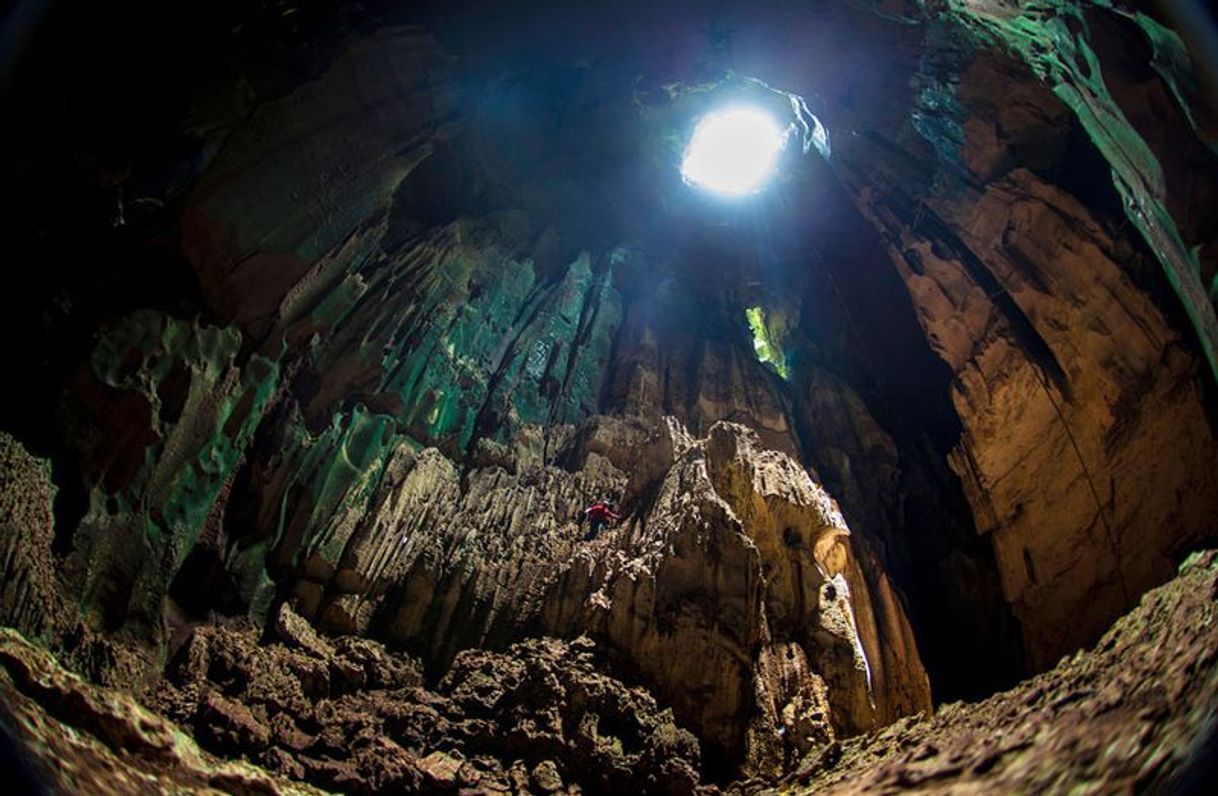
1134 714
291 708
349 717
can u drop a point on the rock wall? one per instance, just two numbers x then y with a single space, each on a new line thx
1071 377
739 598
303 170
1128 80
681 360
730 588
1149 681
30 599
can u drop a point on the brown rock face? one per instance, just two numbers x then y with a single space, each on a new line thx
737 595
1075 375
730 589
1132 714
79 737
545 718
730 586
1123 445
1073 389
670 363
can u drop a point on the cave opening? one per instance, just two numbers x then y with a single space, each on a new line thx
732 151
344 315
765 346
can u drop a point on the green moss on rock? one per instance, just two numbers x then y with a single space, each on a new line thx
205 411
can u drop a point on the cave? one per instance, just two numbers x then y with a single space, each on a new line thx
880 333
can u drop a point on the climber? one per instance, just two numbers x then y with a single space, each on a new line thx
599 514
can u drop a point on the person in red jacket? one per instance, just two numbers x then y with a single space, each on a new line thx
599 514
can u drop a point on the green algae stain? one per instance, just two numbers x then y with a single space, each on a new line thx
172 497
345 466
553 367
533 376
448 325
1171 61
594 341
334 476
192 492
330 478
460 333
442 360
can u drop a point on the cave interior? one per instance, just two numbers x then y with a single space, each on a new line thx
329 320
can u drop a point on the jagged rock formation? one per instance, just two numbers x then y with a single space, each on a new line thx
738 594
30 600
79 737
731 588
1128 714
347 716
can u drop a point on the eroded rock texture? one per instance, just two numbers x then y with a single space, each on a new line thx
1133 714
346 715
737 594
730 590
79 737
730 553
31 601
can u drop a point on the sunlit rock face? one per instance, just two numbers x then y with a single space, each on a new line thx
1057 469
740 597
340 348
1046 304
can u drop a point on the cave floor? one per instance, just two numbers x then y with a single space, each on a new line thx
1123 716
1129 715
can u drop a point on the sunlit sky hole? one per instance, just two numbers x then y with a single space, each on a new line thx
733 151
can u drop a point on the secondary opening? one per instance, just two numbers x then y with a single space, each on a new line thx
765 343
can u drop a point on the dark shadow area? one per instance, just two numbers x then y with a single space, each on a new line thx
203 585
17 771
